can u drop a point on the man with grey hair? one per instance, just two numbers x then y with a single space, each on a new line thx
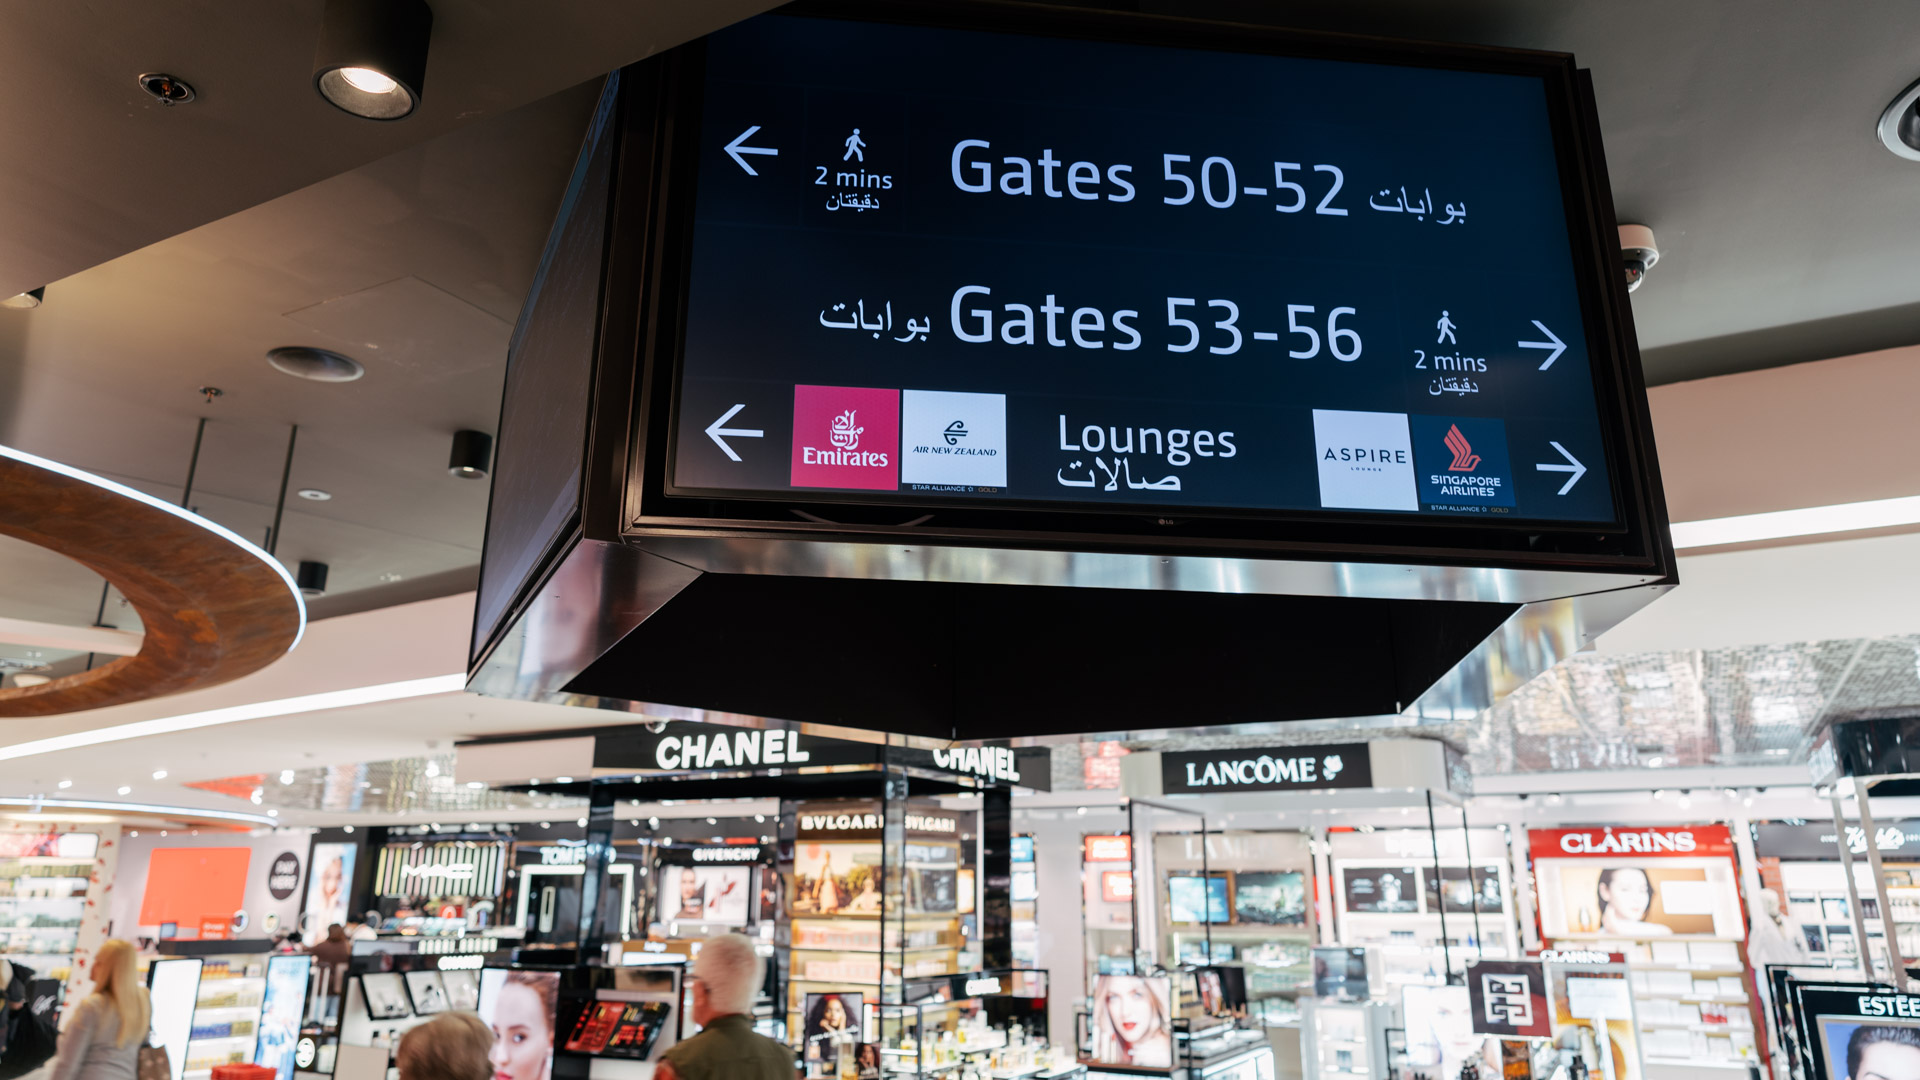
725 977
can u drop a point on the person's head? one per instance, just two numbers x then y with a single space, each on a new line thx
725 977
331 874
834 1016
336 932
523 1026
1626 890
451 1046
296 937
115 979
689 884
1130 1009
1884 1053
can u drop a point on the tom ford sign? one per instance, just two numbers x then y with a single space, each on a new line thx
1286 768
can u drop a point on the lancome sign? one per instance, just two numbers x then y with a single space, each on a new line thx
1282 768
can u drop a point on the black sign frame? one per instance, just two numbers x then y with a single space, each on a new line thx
1265 768
1812 1000
649 505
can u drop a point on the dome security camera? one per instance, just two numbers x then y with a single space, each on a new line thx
1638 253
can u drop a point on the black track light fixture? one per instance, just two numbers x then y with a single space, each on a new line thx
372 59
311 577
472 453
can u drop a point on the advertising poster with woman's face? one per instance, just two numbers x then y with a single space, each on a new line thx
832 1014
329 883
831 878
716 894
284 1001
1638 899
1440 1035
1861 1049
519 1008
1130 1021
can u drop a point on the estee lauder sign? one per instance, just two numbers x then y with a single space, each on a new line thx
1275 768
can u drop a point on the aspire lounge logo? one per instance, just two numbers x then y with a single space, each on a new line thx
845 437
1464 459
1634 842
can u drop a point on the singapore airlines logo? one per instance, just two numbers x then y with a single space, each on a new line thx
1464 459
847 437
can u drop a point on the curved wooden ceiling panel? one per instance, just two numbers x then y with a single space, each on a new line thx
215 607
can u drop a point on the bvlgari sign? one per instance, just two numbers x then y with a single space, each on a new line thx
1273 768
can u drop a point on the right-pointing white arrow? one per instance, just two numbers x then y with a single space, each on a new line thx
714 431
1553 342
1578 470
734 150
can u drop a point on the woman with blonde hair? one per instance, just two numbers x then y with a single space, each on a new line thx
106 1031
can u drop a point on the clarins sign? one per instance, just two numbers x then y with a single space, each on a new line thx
1654 840
1277 768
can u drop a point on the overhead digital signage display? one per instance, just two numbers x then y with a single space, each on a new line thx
1133 278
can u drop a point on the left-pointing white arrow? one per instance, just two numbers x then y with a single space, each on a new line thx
1578 470
734 149
714 431
1552 343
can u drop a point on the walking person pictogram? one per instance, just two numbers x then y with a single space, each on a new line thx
1446 328
855 144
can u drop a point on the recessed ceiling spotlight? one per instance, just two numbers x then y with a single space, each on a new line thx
26 300
472 453
159 774
286 776
125 790
318 365
372 60
1899 126
65 784
314 494
166 89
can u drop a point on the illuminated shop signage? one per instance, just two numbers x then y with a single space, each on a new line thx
1671 841
1819 841
988 762
685 746
729 750
1580 956
1288 768
734 854
1108 849
861 822
563 854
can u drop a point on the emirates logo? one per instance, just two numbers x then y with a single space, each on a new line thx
844 434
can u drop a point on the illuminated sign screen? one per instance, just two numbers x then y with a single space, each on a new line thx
1135 278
